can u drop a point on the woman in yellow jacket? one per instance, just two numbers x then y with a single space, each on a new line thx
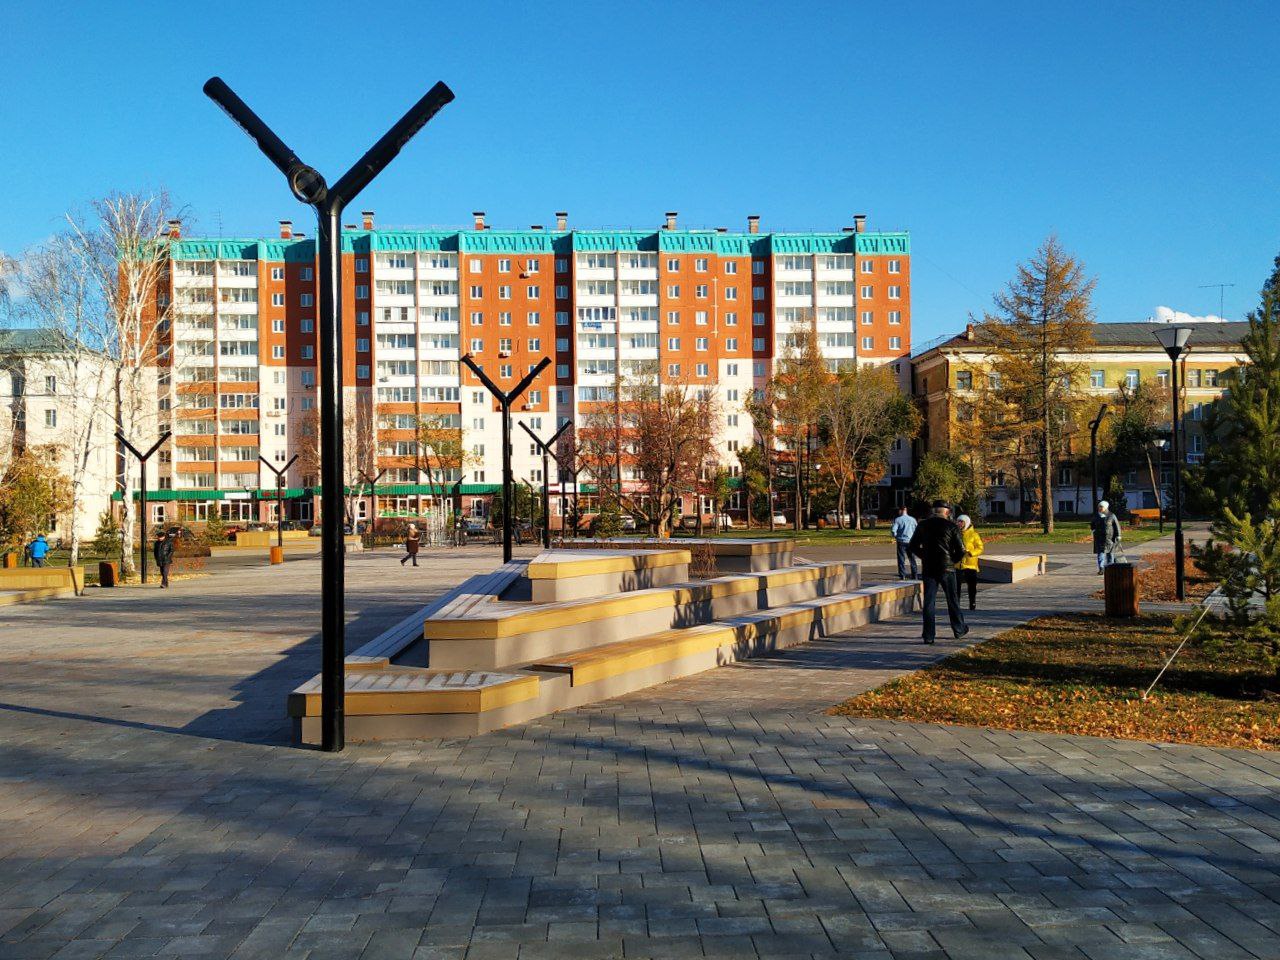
967 569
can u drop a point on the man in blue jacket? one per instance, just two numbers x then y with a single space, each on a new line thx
903 529
38 549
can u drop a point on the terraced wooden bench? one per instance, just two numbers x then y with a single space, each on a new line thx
42 578
1010 568
573 574
379 651
731 555
499 635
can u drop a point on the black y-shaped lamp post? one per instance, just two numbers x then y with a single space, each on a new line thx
142 495
504 401
329 203
280 477
545 449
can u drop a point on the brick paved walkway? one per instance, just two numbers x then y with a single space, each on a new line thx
721 815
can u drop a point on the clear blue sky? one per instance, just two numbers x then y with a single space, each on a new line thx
1144 134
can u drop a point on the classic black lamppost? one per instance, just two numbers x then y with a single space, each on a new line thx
329 203
545 448
504 401
142 492
1094 424
1174 340
1157 446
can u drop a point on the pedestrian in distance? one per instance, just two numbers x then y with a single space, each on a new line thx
162 550
938 545
903 529
1106 534
412 541
37 550
967 568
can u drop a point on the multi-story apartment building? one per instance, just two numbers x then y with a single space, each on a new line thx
60 400
707 308
948 375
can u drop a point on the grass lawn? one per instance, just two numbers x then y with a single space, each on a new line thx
183 567
1083 674
1065 531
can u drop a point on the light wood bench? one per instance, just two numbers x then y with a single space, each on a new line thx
575 574
737 555
42 578
1010 568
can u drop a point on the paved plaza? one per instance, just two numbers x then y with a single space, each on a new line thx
150 804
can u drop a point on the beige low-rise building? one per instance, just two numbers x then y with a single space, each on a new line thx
948 376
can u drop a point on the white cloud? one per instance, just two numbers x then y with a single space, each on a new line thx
1170 315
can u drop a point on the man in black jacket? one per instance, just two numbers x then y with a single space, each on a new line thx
938 545
163 550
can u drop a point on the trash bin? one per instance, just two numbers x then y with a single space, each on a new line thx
108 573
1120 587
10 561
277 554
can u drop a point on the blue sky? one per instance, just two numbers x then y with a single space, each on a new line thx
1143 134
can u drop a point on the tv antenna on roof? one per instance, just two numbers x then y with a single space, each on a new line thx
1222 293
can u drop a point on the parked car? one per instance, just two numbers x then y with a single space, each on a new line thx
688 523
781 519
628 522
724 522
833 519
475 527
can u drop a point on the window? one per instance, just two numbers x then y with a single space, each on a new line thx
673 290
504 318
362 371
362 291
309 352
731 319
1131 379
868 266
562 292
362 345
673 369
867 293
362 265
1097 378
731 370
701 370
504 265
701 343
673 343
562 344
895 318
277 299
562 265
504 345
700 264
700 318
277 326
701 291
731 266
757 319
477 345
51 418
306 273
533 292
868 343
477 318
277 352
504 292
535 345
673 264
673 318
1210 378
362 318
757 293
731 344
504 371
533 319
477 292
895 293
562 318
307 326
895 343
757 343
868 317
309 300
531 266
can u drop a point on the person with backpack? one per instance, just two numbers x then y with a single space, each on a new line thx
938 545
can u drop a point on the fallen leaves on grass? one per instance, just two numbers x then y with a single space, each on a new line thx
1082 674
1157 580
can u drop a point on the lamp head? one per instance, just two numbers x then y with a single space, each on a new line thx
1173 339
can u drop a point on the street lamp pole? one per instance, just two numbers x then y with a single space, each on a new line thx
504 401
545 448
310 187
1094 424
142 492
1174 340
280 475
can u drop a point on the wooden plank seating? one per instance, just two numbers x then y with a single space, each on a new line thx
498 635
738 555
481 588
1011 568
573 574
46 581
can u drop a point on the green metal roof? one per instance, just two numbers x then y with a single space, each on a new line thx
545 241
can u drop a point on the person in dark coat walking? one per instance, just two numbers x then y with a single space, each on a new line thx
938 544
411 543
1106 534
163 552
